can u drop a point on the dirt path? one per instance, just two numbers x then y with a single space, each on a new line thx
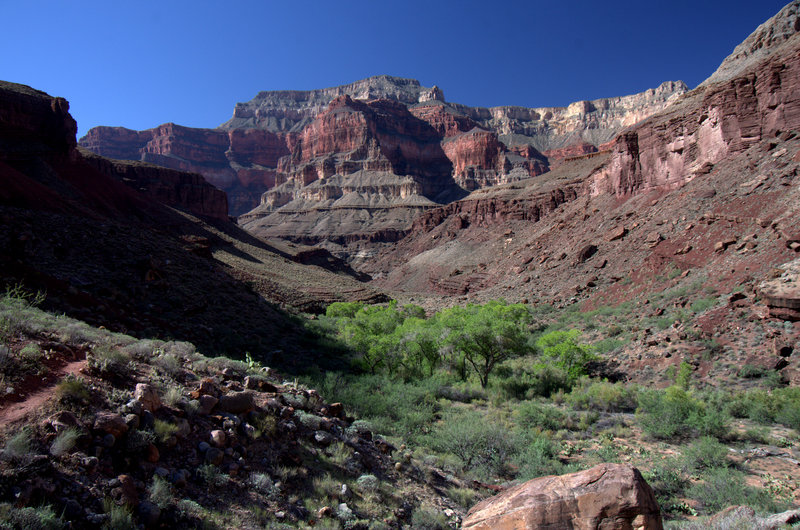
15 411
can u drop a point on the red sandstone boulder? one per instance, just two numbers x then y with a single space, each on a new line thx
604 497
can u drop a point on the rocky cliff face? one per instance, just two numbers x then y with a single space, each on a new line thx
240 162
281 141
172 187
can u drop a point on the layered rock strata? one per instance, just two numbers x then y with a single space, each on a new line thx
241 162
281 142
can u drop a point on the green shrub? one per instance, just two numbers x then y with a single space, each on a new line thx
109 361
532 415
482 446
29 518
602 396
120 517
426 518
160 492
464 497
164 430
537 456
675 413
72 390
343 309
722 487
705 453
524 379
667 482
702 304
564 350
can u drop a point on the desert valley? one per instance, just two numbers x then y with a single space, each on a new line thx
367 306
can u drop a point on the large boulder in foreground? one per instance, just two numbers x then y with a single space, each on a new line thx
604 497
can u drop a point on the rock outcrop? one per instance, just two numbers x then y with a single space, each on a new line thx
759 44
782 293
172 187
604 497
715 121
240 162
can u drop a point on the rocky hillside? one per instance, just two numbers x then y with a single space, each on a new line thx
101 430
700 198
144 249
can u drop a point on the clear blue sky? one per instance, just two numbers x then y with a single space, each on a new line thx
139 64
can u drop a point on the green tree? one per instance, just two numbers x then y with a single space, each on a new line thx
486 335
563 348
370 333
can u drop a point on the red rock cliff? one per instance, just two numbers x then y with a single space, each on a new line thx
713 122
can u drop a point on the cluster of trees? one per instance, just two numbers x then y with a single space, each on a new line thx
475 339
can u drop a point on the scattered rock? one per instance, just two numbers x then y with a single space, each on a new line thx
585 253
147 396
218 438
110 423
616 233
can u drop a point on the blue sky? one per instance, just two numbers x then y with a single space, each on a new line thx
140 64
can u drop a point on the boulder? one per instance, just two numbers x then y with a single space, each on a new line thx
604 497
237 402
147 396
110 423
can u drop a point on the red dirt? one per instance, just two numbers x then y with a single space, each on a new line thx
35 391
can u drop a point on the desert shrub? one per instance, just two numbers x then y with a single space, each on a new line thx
602 396
29 518
164 430
462 393
262 483
160 492
787 406
390 406
533 415
608 345
169 364
483 447
751 371
212 476
464 497
119 517
309 421
523 378
143 350
781 405
18 446
705 453
109 361
31 353
675 413
667 482
64 442
173 396
427 518
138 440
537 456
722 487
702 304
367 483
